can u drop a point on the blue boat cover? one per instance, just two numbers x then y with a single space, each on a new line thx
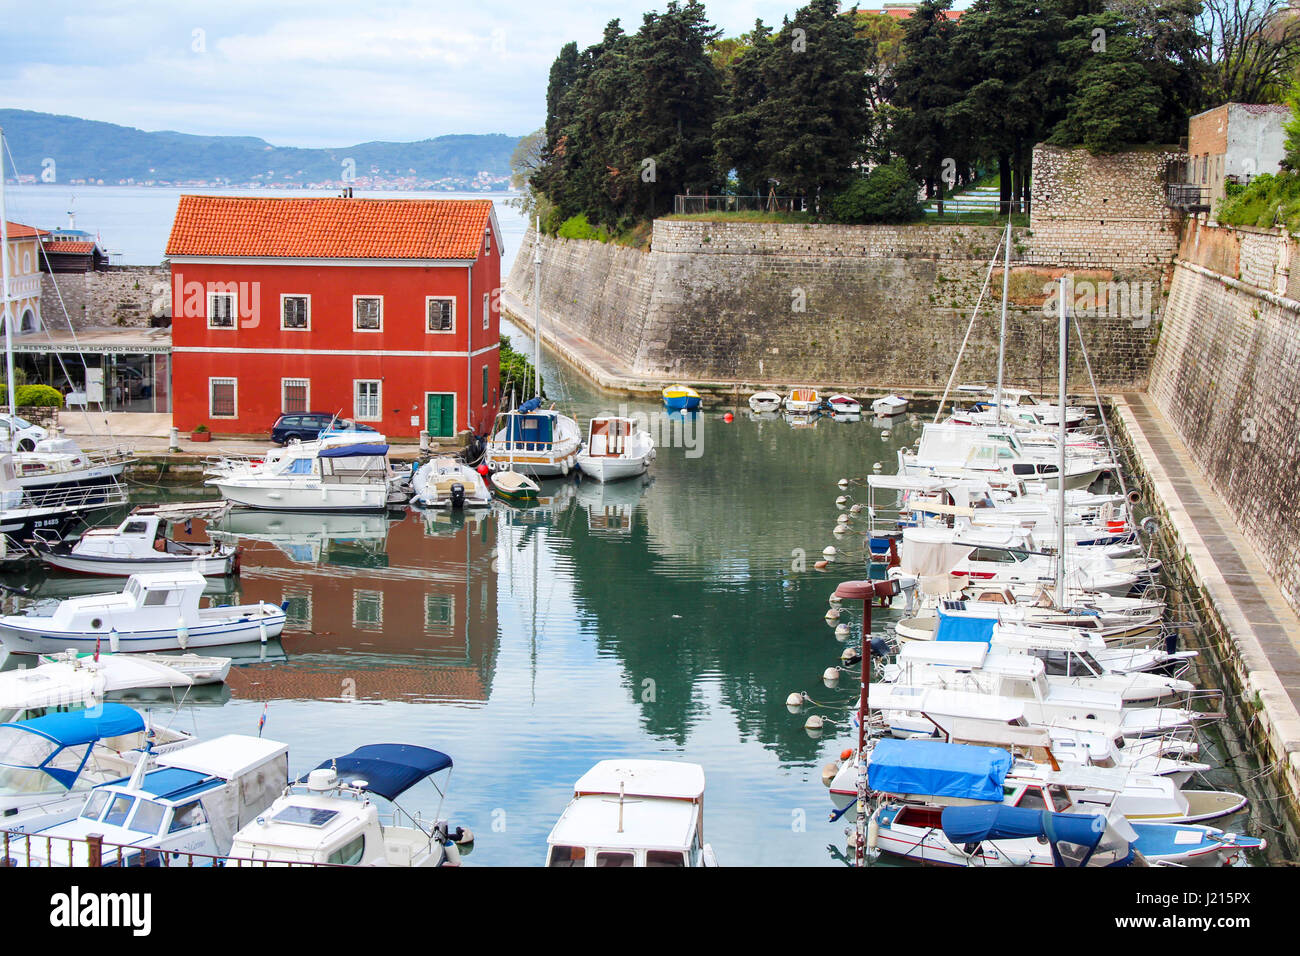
85 726
530 428
974 630
999 822
387 769
530 405
937 768
353 451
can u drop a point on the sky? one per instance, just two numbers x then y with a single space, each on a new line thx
310 73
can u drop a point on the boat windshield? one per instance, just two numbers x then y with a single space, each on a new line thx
94 805
148 817
15 781
23 748
567 856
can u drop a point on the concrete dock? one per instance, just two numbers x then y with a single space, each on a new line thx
1258 632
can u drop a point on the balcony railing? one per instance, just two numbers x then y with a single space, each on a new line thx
1188 197
696 205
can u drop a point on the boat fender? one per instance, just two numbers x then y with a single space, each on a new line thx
829 773
564 468
1134 496
451 855
873 832
463 836
182 634
113 641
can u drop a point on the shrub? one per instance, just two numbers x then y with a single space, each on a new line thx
28 396
577 227
887 194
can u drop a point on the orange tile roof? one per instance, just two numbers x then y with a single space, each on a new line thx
18 231
80 248
329 228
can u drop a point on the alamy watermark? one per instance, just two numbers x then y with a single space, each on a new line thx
1125 299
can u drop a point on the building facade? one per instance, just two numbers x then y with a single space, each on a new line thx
381 310
1235 143
24 254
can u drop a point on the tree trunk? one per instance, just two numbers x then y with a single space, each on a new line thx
1004 184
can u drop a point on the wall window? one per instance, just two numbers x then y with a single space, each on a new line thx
485 378
367 404
368 313
295 312
439 614
295 395
440 314
221 310
298 612
368 610
487 311
223 397
487 242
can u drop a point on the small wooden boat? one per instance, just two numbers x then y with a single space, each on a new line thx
616 449
844 405
765 402
803 401
889 405
681 398
513 486
139 543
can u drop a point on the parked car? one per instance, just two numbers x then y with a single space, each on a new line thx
26 435
307 426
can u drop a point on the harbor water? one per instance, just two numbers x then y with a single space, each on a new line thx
669 616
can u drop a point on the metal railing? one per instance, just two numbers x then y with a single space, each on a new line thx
18 848
1189 197
705 203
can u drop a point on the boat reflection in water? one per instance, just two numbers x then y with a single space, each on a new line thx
611 507
378 609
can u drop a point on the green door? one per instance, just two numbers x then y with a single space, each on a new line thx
440 422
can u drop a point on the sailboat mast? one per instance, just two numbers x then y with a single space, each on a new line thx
537 298
1064 335
4 290
1002 335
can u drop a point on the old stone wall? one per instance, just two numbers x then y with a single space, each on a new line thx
124 296
1226 375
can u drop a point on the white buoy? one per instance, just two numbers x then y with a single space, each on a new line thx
831 675
794 700
835 600
829 773
843 482
814 722
113 640
840 531
182 634
841 501
876 467
842 632
850 655
833 614
857 509
829 551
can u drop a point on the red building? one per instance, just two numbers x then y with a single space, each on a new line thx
382 310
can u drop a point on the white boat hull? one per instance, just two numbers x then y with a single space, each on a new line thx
268 495
208 566
250 626
614 469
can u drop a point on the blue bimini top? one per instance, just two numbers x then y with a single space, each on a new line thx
939 769
84 726
976 630
387 769
353 451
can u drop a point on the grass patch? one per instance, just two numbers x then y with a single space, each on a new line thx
1265 201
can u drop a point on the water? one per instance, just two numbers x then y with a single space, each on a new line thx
135 221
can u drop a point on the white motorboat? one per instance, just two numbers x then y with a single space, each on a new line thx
71 681
48 763
889 406
328 817
338 537
534 441
281 459
616 449
190 801
761 402
844 405
139 543
51 514
1020 405
154 612
803 401
966 451
448 483
337 478
633 813
59 465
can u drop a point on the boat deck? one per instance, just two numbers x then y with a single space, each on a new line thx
1262 627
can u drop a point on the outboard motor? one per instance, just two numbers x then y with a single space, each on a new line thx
457 496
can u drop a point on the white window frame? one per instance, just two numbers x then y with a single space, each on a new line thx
222 380
234 309
487 311
284 384
303 594
356 601
379 399
358 298
299 295
428 299
445 602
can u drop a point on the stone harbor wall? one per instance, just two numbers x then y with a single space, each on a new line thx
121 296
1226 375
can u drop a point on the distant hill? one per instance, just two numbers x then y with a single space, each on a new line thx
87 150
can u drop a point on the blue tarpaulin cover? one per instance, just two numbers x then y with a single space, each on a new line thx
388 769
85 726
530 405
976 630
976 824
530 428
937 768
353 451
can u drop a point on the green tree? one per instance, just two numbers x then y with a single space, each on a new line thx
887 194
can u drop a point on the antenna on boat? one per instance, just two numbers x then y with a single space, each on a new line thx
4 290
1002 335
1064 334
621 787
537 298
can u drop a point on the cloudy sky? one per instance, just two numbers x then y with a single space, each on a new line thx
309 72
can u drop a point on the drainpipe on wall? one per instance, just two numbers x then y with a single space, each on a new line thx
469 342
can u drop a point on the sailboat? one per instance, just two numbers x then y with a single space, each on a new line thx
531 441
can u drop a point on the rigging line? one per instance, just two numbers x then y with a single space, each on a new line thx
1101 410
974 314
85 409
